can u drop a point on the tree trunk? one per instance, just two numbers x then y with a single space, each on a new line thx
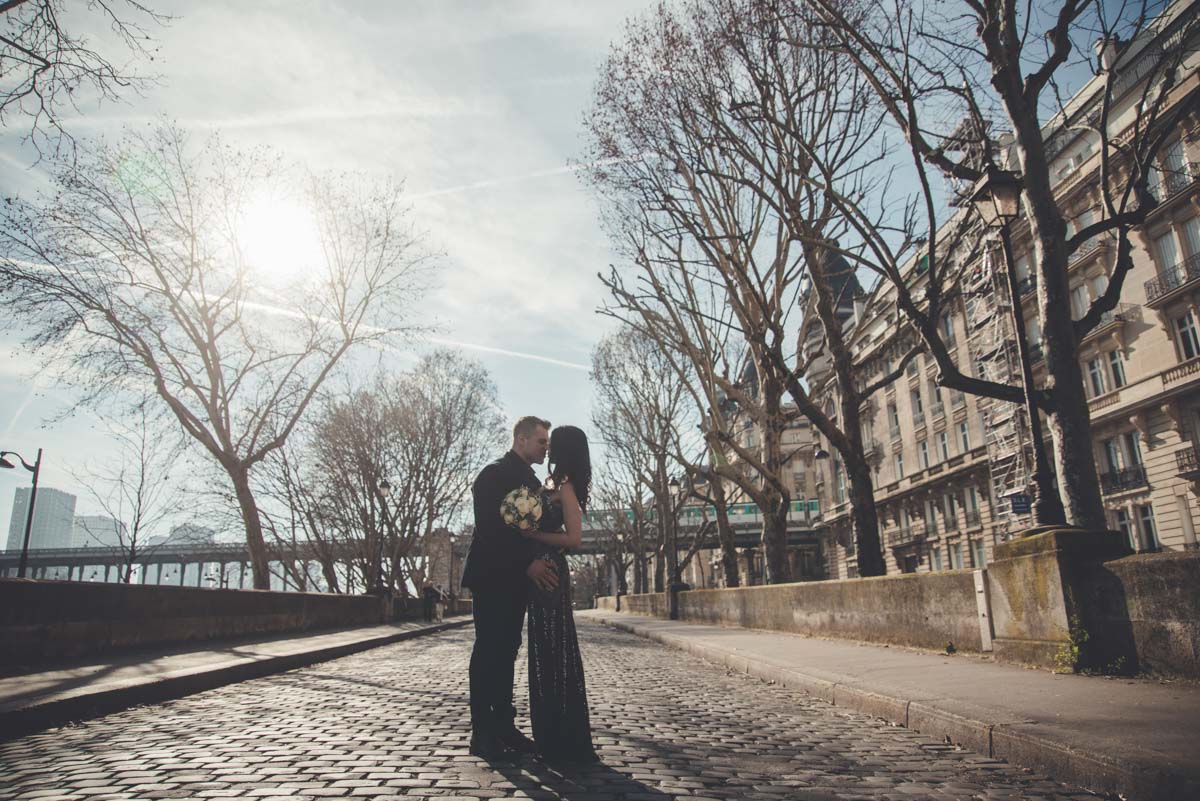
776 567
254 533
1070 423
729 557
864 520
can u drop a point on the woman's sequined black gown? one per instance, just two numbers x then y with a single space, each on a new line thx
558 707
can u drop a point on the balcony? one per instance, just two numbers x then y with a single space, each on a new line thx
894 432
1187 462
950 523
1181 276
1087 248
1176 181
918 418
1026 285
1113 320
1036 353
938 410
1181 371
972 518
1123 480
957 399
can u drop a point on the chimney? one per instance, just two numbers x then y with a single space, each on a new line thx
1107 49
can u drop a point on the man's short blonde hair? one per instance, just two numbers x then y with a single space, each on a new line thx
527 425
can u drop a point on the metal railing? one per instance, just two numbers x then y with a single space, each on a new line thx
938 409
972 517
1169 280
1126 478
1036 353
1186 460
957 399
1026 285
1176 181
894 431
918 417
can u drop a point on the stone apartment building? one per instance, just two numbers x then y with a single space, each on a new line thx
946 465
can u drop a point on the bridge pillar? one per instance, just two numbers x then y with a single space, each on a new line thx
145 572
242 575
182 572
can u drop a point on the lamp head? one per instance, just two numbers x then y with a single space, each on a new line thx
997 197
385 489
674 484
820 453
5 463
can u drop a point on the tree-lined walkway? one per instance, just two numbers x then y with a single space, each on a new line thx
392 722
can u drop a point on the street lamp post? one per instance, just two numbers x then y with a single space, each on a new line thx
674 585
35 468
385 492
996 198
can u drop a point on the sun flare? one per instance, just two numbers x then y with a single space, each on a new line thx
279 238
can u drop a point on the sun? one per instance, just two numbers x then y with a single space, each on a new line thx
278 238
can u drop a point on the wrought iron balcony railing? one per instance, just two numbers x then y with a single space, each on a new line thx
972 517
1127 478
918 417
1176 181
1026 285
1174 278
1036 354
1187 462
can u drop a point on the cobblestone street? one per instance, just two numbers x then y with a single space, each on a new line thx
392 722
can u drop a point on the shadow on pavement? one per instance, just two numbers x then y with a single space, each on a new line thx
537 779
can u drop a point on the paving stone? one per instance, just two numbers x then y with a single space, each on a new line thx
393 723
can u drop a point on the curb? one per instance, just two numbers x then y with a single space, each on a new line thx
56 712
1138 777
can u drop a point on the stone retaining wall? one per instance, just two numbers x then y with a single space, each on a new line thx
51 620
927 610
1146 606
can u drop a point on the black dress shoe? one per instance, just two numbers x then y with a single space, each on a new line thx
514 740
487 746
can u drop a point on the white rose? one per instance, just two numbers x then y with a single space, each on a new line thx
522 505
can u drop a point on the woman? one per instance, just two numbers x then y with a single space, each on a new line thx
557 697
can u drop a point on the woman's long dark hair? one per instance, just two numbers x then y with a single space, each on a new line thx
571 460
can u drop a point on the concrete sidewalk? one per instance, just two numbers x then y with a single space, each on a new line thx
1138 737
34 701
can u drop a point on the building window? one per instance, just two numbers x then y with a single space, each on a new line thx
1079 302
948 330
918 405
1191 236
893 420
1116 367
1125 525
839 483
977 554
923 454
935 559
899 466
1189 340
1112 454
1146 523
956 556
964 436
1131 450
1166 251
1174 167
944 445
1095 370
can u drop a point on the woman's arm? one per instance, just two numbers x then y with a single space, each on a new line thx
572 518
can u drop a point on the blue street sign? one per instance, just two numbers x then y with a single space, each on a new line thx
1021 503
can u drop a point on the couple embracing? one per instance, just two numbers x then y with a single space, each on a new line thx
510 571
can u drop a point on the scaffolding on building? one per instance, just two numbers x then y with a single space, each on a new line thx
994 357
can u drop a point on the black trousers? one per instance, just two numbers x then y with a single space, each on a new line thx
499 616
427 608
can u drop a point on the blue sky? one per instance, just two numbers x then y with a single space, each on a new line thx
477 105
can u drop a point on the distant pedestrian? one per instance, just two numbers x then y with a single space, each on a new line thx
429 597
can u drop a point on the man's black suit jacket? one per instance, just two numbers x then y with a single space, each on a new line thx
499 555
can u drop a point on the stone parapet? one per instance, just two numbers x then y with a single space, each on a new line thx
52 620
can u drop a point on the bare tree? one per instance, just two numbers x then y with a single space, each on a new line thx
134 274
136 487
698 141
48 69
946 78
426 432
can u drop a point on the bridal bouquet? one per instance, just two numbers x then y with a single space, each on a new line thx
522 509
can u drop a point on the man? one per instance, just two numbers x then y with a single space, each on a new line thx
429 596
499 567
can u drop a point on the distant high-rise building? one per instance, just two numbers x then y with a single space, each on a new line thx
98 531
53 519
